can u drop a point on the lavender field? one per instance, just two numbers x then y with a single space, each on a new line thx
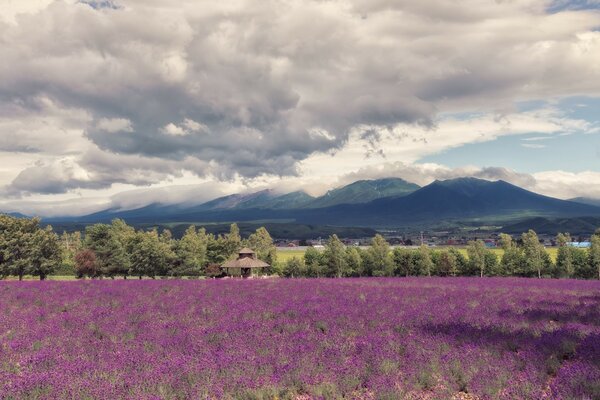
463 338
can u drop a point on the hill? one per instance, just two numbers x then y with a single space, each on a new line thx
552 226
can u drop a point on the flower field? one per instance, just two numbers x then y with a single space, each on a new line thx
437 338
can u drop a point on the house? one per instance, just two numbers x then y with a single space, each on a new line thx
245 265
580 245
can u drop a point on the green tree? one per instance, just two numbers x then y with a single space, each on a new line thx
150 255
111 254
232 242
354 262
403 262
381 262
581 264
512 259
294 268
594 253
491 263
45 253
191 252
446 264
16 244
313 259
70 244
262 243
533 252
335 257
476 251
423 262
462 263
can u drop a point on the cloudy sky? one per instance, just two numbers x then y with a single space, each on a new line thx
125 102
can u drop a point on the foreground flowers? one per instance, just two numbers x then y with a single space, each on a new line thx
358 338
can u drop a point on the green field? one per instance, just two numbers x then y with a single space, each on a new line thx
284 255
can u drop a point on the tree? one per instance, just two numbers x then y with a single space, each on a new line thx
491 262
476 251
70 244
581 264
512 259
16 244
462 264
294 267
533 251
594 253
262 243
381 262
423 262
86 264
111 255
232 242
335 257
564 258
150 256
45 253
446 264
191 252
354 262
313 259
403 262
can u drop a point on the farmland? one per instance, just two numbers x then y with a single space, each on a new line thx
384 338
283 254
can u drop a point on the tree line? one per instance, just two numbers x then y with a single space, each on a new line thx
525 258
117 249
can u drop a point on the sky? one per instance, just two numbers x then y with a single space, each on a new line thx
121 103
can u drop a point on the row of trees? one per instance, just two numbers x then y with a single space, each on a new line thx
528 258
117 249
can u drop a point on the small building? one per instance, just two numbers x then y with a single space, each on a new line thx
580 245
246 265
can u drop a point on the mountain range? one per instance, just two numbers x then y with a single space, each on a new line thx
390 203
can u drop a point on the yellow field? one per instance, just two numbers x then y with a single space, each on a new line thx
284 255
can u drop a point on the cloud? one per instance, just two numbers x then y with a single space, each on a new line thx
113 125
144 92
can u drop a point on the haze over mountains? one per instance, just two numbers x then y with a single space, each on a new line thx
390 202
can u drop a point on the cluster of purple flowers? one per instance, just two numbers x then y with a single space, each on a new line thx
369 338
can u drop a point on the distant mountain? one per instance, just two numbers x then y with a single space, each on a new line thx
464 201
14 214
587 200
553 226
364 191
456 199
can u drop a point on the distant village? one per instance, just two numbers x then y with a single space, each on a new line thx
431 239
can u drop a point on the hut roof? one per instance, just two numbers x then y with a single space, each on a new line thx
246 250
245 263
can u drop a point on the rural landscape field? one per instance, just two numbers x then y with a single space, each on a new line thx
370 338
300 200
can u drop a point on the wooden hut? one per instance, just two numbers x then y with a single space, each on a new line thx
246 265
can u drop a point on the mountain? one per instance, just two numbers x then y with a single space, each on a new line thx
14 214
364 191
456 202
587 200
451 200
